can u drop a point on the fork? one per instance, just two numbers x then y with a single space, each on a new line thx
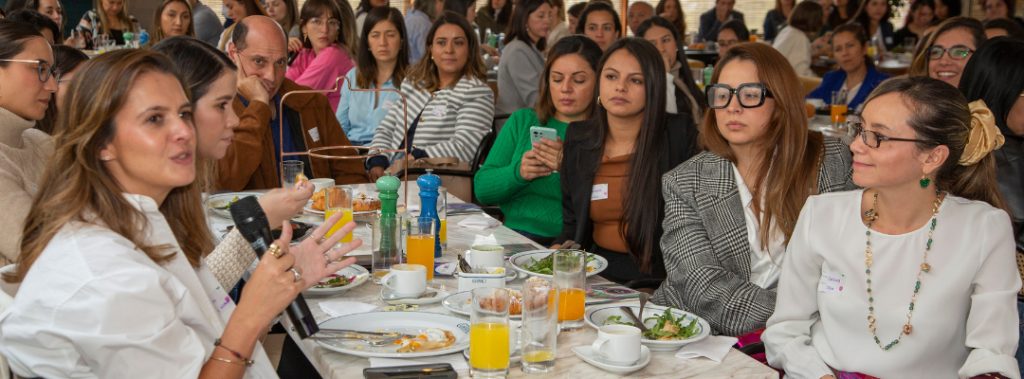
377 343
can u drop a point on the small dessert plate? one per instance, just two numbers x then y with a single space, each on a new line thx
587 355
391 298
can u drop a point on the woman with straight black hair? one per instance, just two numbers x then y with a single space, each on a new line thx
522 61
601 23
683 94
466 8
921 15
381 63
622 150
876 18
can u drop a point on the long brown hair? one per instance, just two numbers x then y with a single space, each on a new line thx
788 146
366 63
920 65
680 22
76 187
158 30
126 22
518 27
423 74
314 8
940 115
576 44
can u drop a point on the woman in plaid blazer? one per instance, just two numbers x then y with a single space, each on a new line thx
730 210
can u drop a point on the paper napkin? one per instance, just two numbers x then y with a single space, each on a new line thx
457 361
479 222
341 308
713 347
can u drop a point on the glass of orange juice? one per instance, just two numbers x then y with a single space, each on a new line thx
419 243
839 108
489 333
571 280
338 199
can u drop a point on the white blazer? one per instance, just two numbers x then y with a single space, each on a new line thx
94 306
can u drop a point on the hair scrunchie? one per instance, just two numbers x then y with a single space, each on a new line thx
984 134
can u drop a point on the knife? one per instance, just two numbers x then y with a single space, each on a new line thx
636 321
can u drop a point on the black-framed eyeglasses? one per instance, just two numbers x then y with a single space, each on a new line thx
46 70
958 52
750 95
873 139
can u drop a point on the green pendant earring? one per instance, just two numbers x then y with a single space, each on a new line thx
925 181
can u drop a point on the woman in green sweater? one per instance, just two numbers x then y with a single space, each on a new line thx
522 177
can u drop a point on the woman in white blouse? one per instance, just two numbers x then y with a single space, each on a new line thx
913 276
449 106
730 210
112 272
794 41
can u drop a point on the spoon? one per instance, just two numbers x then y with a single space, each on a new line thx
425 295
644 297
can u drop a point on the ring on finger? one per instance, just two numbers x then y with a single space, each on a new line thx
327 257
274 250
297 272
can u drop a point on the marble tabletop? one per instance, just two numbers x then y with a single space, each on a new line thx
335 365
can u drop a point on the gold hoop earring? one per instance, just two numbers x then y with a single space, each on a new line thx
305 37
599 101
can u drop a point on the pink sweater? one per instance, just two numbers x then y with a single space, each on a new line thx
321 71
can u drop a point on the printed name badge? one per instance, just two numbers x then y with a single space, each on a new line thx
831 282
221 302
388 104
599 192
315 134
438 111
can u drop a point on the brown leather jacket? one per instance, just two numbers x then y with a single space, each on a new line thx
250 162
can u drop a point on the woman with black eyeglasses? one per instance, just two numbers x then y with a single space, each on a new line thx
27 81
949 48
730 211
913 276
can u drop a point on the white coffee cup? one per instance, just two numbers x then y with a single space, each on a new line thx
487 256
617 345
406 280
319 184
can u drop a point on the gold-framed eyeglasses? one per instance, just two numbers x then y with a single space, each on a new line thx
331 23
874 139
46 70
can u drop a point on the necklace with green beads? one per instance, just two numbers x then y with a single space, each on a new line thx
870 217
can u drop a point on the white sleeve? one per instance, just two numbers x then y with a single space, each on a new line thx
121 325
992 325
787 339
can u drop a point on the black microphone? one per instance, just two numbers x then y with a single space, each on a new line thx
253 225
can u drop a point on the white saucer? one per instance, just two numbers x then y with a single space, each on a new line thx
384 293
586 354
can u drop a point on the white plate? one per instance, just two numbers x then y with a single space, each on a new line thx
399 322
459 303
360 274
587 355
430 300
596 315
523 260
221 200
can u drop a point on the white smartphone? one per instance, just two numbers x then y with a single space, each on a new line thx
538 132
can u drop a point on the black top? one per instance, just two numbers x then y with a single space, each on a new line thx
901 35
681 135
1010 176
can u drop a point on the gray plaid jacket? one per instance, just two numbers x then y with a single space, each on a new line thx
705 245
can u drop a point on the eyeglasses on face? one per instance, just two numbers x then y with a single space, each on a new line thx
45 69
958 52
750 95
331 23
874 140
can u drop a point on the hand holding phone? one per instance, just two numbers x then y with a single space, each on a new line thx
548 152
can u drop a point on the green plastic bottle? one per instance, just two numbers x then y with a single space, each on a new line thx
707 74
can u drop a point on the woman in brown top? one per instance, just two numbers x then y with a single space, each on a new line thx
613 162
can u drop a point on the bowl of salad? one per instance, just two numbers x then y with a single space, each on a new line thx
541 263
341 281
668 328
221 204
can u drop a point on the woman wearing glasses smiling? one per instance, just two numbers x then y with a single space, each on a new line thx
325 55
27 83
950 46
913 276
730 211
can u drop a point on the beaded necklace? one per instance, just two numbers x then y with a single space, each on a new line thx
872 216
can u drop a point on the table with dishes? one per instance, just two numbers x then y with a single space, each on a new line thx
447 310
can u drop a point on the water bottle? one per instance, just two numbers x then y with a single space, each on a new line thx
707 74
143 37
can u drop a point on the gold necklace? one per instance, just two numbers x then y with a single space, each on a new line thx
872 216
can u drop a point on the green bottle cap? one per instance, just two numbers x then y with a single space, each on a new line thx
388 182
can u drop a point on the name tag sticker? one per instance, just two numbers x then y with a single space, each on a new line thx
599 192
388 104
315 134
438 111
221 302
831 282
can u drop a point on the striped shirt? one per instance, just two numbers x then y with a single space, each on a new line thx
452 121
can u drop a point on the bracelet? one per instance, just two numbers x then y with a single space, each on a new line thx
245 361
234 362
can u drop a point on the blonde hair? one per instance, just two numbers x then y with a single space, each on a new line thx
126 22
76 187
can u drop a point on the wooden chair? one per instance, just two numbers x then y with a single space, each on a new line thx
695 63
810 83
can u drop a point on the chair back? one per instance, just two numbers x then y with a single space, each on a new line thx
810 83
695 63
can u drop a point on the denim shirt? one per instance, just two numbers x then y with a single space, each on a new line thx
417 25
356 112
